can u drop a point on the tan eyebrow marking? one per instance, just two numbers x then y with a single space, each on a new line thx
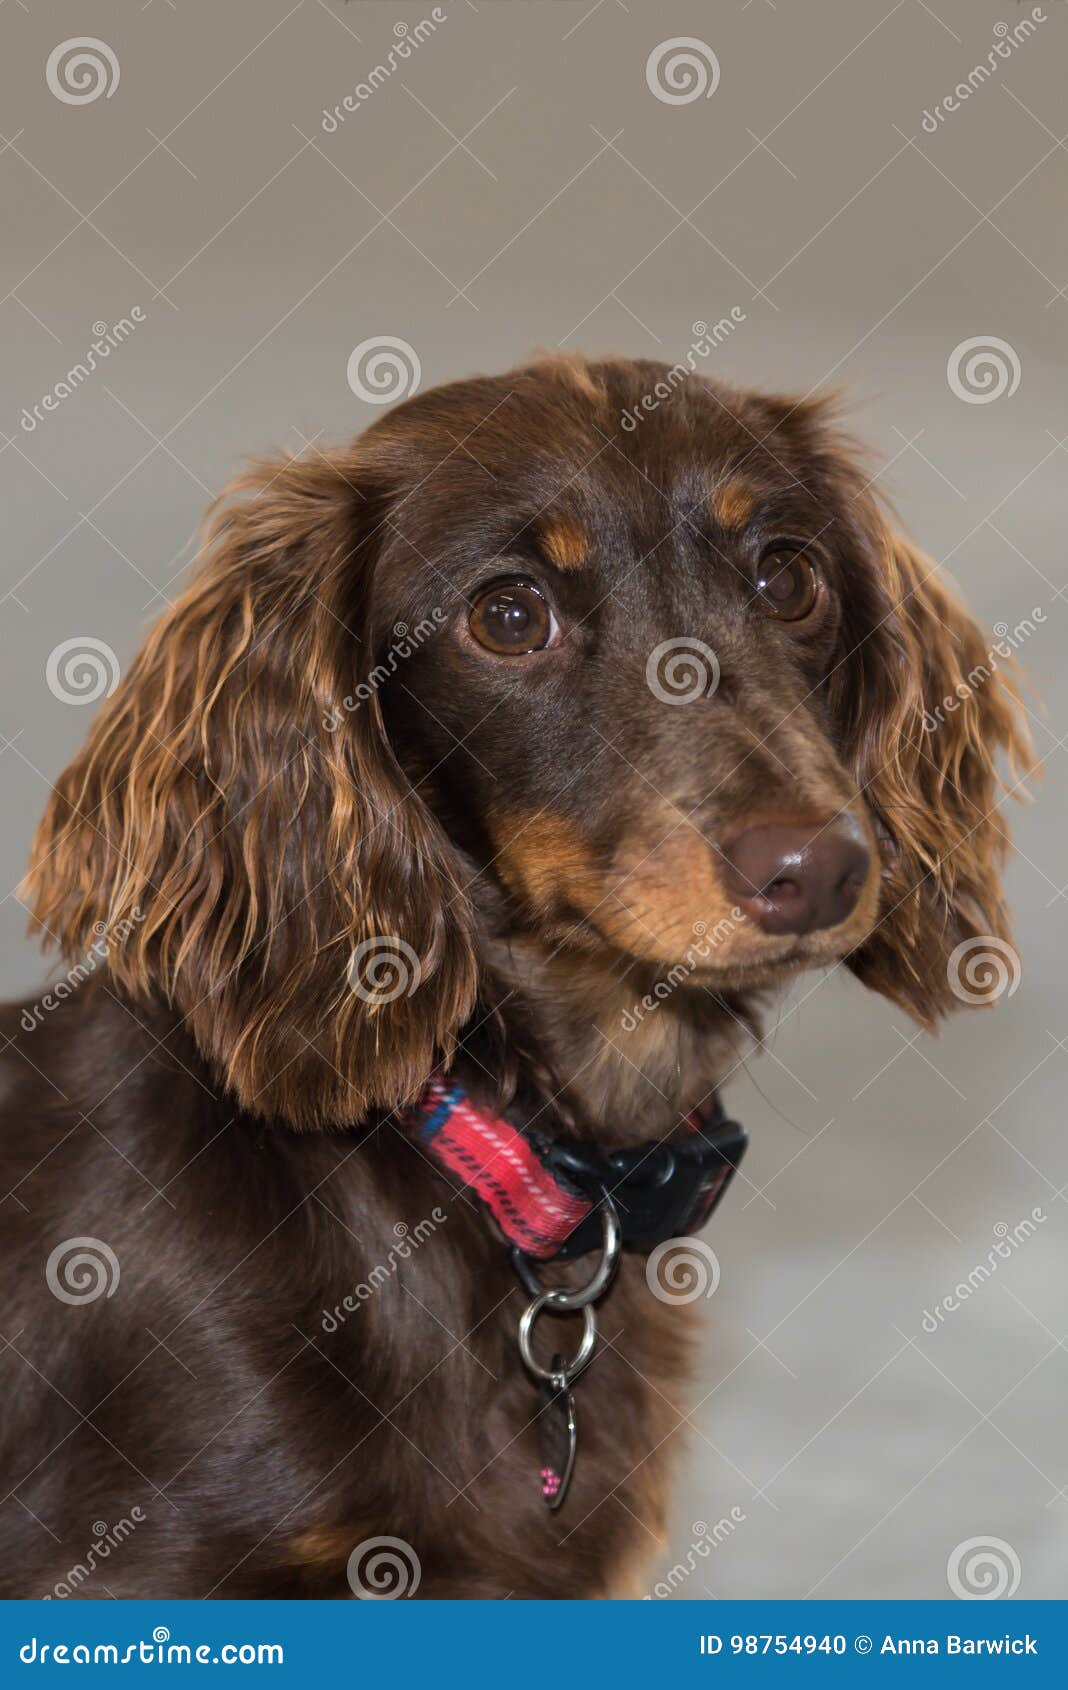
733 504
566 545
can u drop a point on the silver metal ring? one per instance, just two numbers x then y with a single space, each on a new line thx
563 1297
546 1299
566 1298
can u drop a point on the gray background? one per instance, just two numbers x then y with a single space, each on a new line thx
520 156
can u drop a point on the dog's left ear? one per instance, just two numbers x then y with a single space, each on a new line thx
927 706
236 834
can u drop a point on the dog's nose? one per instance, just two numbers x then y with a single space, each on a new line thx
798 878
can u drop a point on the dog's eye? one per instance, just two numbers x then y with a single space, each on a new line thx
789 585
513 618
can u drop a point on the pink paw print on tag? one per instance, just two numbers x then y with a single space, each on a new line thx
550 1482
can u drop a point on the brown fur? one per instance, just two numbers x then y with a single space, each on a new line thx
281 777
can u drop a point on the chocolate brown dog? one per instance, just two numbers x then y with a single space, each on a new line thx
589 732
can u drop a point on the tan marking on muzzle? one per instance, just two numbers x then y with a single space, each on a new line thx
668 902
545 859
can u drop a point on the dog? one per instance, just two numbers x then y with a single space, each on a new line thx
519 749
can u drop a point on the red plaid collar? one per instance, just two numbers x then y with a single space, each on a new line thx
543 1193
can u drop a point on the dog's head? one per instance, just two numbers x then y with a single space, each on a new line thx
629 664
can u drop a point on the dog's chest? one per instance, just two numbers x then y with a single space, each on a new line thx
451 1452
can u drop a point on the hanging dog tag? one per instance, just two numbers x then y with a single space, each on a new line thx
558 1436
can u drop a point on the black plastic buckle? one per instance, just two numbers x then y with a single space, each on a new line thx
661 1190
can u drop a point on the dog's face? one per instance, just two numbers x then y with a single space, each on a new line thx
645 682
623 712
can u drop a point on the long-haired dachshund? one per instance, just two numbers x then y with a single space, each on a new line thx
420 882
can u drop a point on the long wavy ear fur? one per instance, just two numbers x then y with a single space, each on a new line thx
246 839
927 707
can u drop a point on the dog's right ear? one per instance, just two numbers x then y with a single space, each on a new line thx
928 714
249 844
